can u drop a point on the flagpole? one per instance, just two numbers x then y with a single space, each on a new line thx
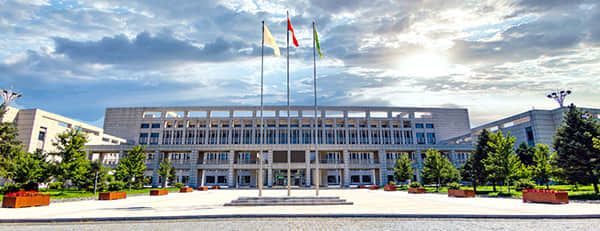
260 155
317 175
289 151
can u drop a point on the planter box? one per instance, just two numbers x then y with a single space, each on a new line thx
461 193
203 188
215 187
186 190
416 190
389 187
159 192
545 196
373 187
112 196
25 201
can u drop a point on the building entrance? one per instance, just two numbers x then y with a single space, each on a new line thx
280 177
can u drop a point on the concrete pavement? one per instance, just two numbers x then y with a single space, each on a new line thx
366 203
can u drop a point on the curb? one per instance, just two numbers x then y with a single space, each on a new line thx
234 216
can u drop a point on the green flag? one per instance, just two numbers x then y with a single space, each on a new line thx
317 45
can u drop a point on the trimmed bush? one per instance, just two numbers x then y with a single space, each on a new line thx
454 185
116 186
524 184
9 188
179 185
414 184
56 185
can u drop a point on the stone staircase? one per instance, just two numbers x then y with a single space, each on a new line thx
287 201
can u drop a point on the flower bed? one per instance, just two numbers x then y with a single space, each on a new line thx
373 187
159 192
416 190
215 187
22 199
186 190
389 187
112 196
545 196
461 193
203 188
362 186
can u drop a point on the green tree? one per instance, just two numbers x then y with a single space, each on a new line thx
502 163
575 153
525 153
438 169
474 170
596 141
73 165
10 145
131 167
542 169
99 175
165 170
403 170
27 168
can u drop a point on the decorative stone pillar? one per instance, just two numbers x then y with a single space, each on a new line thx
308 168
419 165
382 167
193 173
346 156
230 179
270 168
155 164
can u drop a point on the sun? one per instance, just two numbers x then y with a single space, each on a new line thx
423 64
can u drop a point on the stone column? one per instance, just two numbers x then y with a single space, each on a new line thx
308 169
346 156
419 165
193 181
230 179
382 167
270 168
155 164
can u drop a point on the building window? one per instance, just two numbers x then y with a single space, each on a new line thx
420 138
153 138
145 125
419 125
428 125
143 138
42 135
156 125
530 137
431 138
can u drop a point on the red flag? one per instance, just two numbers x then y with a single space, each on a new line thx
290 28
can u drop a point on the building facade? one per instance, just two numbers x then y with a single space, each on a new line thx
220 145
531 127
38 129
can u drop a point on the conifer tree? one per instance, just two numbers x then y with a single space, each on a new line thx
525 153
131 167
474 170
165 170
542 169
576 156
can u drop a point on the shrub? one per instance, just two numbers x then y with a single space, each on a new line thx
454 185
116 186
55 185
179 185
391 183
524 184
415 184
9 188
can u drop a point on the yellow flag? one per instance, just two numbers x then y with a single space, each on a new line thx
269 40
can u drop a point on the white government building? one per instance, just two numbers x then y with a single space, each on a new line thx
219 145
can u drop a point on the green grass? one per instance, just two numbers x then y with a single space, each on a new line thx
73 193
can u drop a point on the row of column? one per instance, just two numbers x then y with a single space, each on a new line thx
193 168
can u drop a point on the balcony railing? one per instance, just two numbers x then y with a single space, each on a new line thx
329 161
242 161
363 161
216 162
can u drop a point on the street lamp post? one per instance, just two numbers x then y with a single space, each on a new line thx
559 96
7 96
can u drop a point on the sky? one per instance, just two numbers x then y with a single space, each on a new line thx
495 58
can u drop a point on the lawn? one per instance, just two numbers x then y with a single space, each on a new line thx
575 193
73 193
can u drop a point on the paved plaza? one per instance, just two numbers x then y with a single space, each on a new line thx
369 202
319 224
